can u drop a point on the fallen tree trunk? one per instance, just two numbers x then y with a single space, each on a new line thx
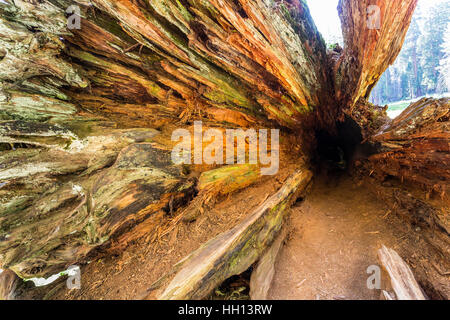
262 275
415 146
373 34
86 115
402 280
9 282
233 252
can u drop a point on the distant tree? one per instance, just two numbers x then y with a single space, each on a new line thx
444 66
432 51
423 64
411 52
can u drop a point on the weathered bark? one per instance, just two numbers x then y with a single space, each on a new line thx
77 198
235 251
262 276
402 279
86 115
374 32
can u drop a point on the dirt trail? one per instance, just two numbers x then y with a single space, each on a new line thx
336 233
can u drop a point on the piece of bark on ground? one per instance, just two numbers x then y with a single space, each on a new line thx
403 282
262 275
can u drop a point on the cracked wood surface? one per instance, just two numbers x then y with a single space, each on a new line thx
79 109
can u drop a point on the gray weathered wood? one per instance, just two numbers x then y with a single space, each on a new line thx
8 284
233 252
402 279
262 276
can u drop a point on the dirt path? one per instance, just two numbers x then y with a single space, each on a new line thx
336 233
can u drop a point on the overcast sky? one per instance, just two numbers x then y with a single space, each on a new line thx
324 13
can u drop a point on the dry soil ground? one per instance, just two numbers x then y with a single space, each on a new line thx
335 235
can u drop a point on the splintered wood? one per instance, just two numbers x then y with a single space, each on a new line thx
415 146
234 251
403 282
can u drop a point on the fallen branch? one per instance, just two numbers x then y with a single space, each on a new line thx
415 146
233 252
9 282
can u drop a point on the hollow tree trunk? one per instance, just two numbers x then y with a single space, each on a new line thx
86 115
374 32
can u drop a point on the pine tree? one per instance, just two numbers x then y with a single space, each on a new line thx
434 30
444 67
420 67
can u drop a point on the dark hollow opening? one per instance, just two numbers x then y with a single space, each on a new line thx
234 288
335 152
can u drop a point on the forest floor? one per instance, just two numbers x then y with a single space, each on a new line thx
334 238
334 235
129 273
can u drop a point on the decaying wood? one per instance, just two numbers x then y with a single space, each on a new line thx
432 226
217 52
262 275
415 146
68 96
235 251
373 37
86 116
370 118
403 282
220 182
116 182
9 282
211 185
